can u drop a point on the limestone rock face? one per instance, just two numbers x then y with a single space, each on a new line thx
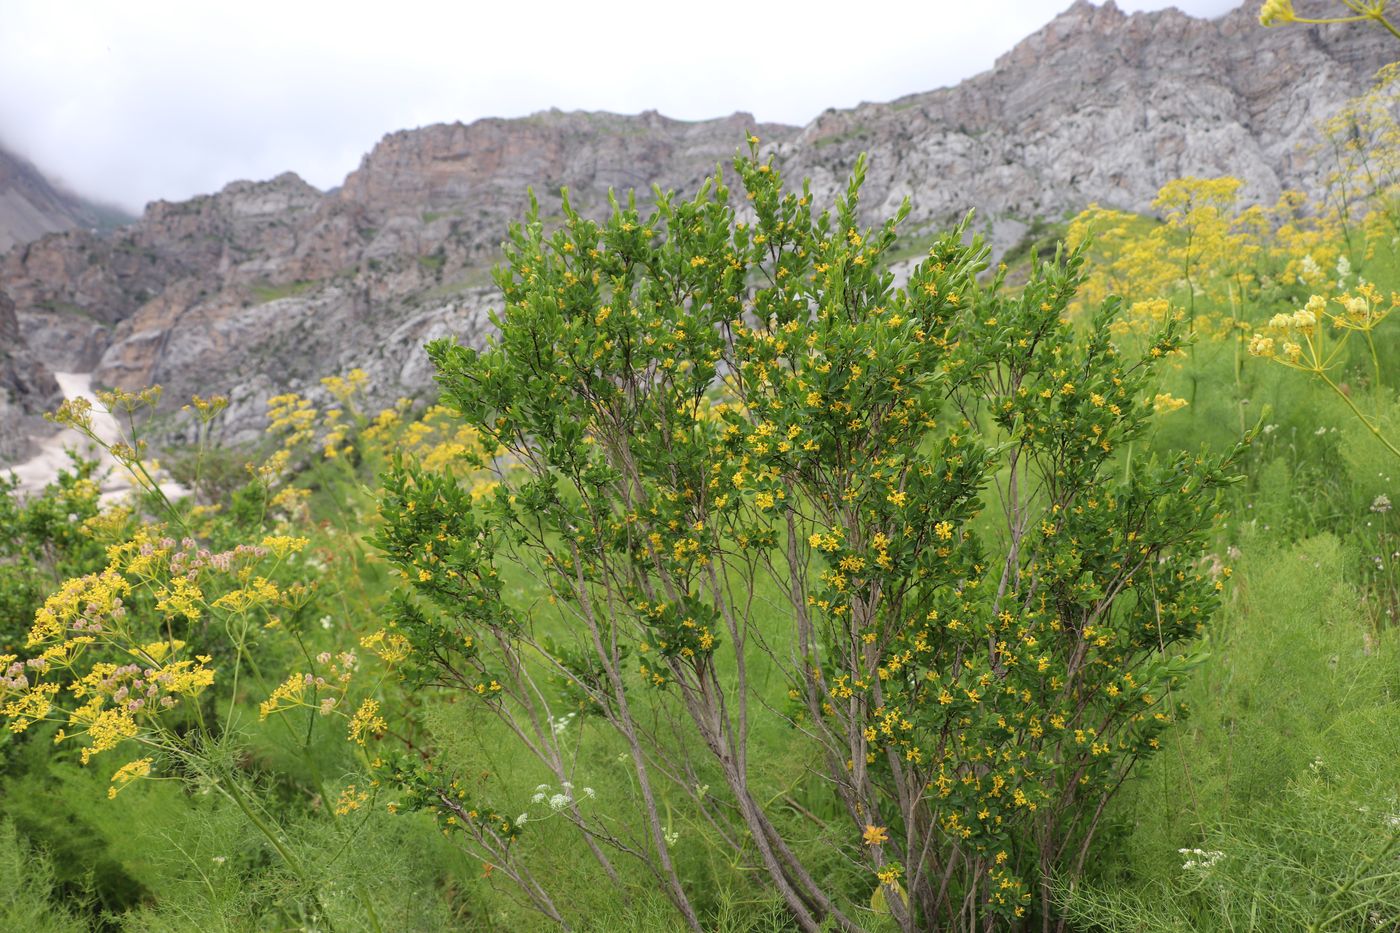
1101 106
480 173
27 388
268 286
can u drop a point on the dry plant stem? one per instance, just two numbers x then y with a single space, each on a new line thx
625 721
734 757
858 794
706 705
540 744
500 850
545 747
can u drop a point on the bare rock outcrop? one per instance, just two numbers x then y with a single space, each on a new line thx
27 388
1104 106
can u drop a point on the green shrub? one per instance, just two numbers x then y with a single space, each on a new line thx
760 489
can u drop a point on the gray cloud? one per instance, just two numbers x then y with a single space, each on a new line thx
144 100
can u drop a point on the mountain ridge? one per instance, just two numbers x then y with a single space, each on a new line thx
266 286
31 205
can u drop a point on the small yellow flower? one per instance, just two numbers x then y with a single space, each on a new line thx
1165 403
875 835
127 773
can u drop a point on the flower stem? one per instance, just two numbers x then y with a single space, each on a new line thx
1364 420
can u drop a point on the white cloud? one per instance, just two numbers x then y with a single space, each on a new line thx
142 100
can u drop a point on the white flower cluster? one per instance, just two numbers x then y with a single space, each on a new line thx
1200 859
556 800
1311 271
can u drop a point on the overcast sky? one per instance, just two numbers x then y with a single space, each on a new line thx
128 102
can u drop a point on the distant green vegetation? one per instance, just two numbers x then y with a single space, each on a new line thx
858 131
66 307
1041 238
269 292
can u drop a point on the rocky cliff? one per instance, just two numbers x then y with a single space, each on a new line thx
267 286
27 388
1102 106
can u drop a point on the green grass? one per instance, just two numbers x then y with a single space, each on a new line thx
268 292
1285 767
68 308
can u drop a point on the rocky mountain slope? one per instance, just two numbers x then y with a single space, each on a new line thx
30 206
268 286
1102 106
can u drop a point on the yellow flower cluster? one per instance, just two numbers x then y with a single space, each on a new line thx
78 605
117 400
323 692
283 545
366 722
1297 339
1276 13
344 388
1164 403
207 409
128 773
390 647
120 638
293 416
351 799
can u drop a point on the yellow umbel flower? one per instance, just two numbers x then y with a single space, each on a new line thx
282 545
366 721
127 773
1276 13
351 798
390 646
288 693
1259 345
